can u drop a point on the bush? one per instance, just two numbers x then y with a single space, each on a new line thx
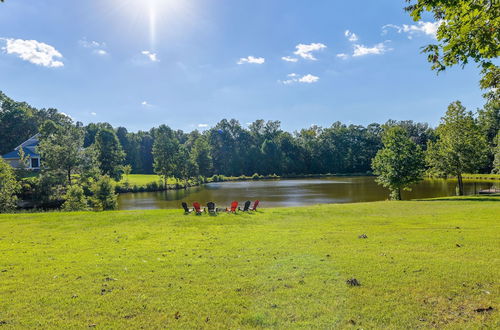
75 199
8 187
104 196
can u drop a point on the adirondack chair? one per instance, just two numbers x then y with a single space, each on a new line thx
254 208
233 208
197 208
246 207
187 210
211 208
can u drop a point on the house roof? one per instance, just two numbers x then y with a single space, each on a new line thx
31 142
15 154
28 148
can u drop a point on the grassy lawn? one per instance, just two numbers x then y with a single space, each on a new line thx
424 264
486 177
142 179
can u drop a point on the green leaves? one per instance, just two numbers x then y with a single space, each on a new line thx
470 30
8 187
400 163
461 148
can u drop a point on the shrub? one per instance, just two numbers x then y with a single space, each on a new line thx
104 196
8 187
75 199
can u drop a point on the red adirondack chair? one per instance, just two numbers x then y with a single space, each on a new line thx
197 208
234 207
254 208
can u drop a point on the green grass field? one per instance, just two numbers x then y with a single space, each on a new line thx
424 264
142 179
485 177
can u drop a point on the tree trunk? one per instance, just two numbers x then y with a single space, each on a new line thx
399 194
460 185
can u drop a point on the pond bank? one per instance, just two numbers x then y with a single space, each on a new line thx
139 182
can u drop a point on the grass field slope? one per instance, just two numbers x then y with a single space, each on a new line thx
420 264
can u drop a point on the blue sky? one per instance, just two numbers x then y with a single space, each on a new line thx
190 63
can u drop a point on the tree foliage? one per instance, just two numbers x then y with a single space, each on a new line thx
165 150
19 121
9 187
400 163
496 161
104 197
460 148
75 199
469 30
110 155
61 148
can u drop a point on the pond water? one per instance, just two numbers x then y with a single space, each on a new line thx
291 192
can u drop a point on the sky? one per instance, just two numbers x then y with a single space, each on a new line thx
191 63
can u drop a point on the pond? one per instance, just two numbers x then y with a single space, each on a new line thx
291 192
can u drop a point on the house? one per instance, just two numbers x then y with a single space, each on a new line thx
30 154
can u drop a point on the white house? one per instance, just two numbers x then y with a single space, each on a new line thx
30 154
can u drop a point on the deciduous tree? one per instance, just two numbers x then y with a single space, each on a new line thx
110 154
460 148
9 187
61 149
165 150
469 31
400 163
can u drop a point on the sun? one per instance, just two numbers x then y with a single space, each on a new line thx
151 13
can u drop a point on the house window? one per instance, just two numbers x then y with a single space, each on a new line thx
35 163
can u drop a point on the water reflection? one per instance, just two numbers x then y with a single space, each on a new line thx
292 192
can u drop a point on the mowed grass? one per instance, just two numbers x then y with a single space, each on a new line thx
143 179
424 264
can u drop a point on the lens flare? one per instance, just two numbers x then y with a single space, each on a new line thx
153 14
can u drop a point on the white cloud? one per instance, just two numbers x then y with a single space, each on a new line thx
93 114
309 79
252 60
427 28
100 52
295 78
202 125
65 114
351 36
305 51
153 57
146 104
343 56
91 44
290 59
98 47
34 52
361 50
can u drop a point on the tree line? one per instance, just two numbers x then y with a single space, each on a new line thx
99 153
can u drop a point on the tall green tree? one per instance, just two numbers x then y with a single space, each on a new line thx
469 31
110 154
496 161
400 163
489 123
61 149
165 149
200 154
460 148
184 166
9 187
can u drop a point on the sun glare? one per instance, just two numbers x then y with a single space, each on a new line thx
152 13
